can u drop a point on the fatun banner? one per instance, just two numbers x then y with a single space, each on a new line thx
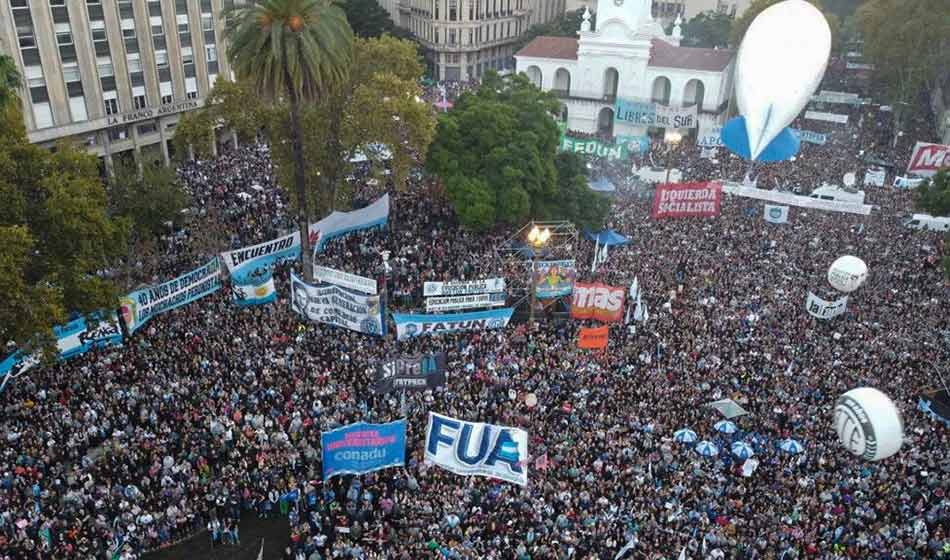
352 281
463 287
408 326
477 449
457 303
928 158
251 294
823 309
361 448
554 279
335 305
415 373
687 200
594 147
597 301
141 305
593 338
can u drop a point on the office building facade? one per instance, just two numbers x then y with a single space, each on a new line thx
465 38
113 75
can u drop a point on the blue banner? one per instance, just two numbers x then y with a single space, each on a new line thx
141 305
634 144
361 448
409 326
811 137
72 339
635 112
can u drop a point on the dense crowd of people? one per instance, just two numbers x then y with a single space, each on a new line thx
212 410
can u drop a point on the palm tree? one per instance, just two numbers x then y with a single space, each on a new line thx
293 50
9 80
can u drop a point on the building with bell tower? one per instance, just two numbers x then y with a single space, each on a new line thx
628 57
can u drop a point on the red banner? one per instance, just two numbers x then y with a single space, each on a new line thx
927 159
593 339
687 199
597 301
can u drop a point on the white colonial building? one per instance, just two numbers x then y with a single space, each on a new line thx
630 57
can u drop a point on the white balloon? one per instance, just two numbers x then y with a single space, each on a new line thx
849 179
868 424
780 64
847 273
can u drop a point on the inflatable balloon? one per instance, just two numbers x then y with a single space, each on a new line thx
847 274
781 61
868 424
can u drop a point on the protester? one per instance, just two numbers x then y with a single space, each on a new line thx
211 410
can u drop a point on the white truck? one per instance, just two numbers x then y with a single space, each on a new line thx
927 222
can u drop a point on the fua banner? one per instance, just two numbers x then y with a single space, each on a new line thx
141 305
477 449
554 279
597 301
463 287
416 373
361 448
456 303
336 305
251 294
409 326
823 309
594 147
776 214
72 339
345 279
687 200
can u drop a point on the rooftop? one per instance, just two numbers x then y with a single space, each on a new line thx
662 54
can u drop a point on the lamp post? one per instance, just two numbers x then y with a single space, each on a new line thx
537 237
672 139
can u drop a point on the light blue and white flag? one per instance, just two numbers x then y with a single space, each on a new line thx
254 294
775 214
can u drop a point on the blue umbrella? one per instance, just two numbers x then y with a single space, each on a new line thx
726 427
685 436
707 449
791 446
742 450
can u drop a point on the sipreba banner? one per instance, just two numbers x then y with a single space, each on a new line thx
687 200
928 158
597 301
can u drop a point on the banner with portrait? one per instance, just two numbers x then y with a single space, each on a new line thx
553 279
336 305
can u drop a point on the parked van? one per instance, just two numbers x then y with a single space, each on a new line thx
928 222
838 194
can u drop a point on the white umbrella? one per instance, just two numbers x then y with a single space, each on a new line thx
791 446
742 450
685 436
726 427
707 449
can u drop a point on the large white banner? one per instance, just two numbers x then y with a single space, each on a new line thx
676 117
456 303
463 287
477 449
336 305
823 309
345 279
827 117
779 197
838 97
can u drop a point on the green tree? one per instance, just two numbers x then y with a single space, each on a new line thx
369 19
55 235
194 135
708 30
933 195
742 23
565 25
147 199
496 154
907 41
236 106
296 51
574 198
9 80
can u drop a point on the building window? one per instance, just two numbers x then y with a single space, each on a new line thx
105 66
207 22
71 72
187 56
192 95
34 76
134 62
147 128
112 106
118 133
167 99
211 53
161 59
139 102
64 38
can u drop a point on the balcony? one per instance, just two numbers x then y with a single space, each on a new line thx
599 97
